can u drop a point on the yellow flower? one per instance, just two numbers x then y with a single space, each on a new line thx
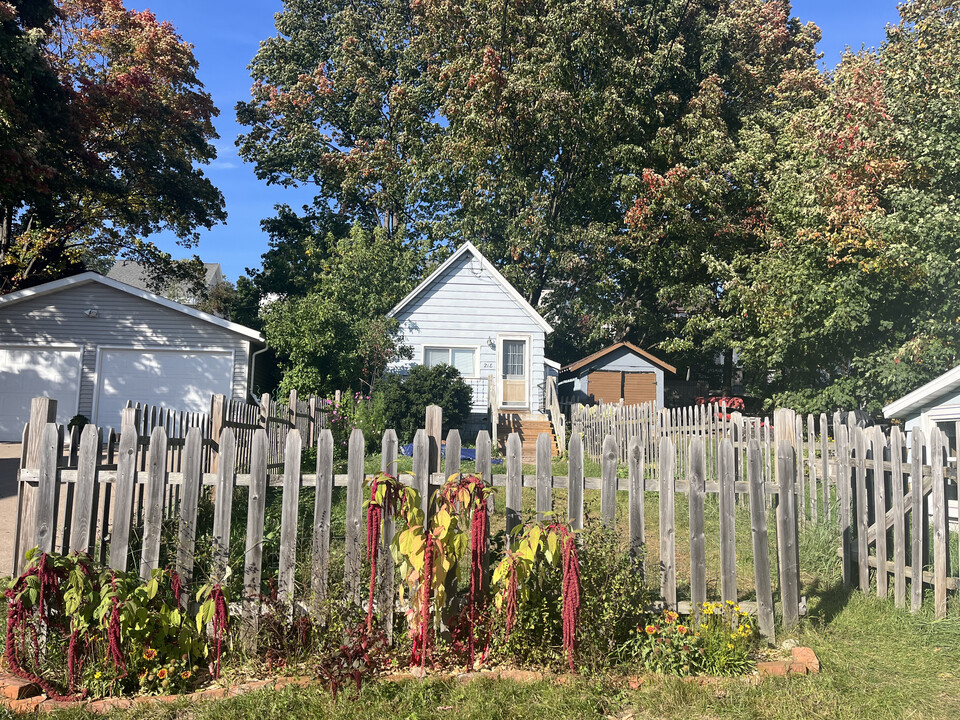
730 645
97 675
162 672
670 616
185 675
149 654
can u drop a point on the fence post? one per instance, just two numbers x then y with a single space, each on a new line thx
218 411
47 496
421 471
899 536
841 439
544 476
253 555
668 538
42 411
85 503
608 482
696 472
514 484
321 521
451 465
860 443
938 494
575 481
223 504
153 503
126 487
761 556
728 531
434 427
288 519
919 522
787 536
878 441
190 501
385 565
353 547
635 463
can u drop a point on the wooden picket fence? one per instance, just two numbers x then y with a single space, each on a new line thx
141 490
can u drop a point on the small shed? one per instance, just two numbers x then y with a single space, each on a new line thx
619 372
94 343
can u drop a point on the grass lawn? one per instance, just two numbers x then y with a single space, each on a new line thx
877 663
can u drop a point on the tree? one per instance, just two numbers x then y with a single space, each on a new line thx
116 158
340 101
855 300
337 335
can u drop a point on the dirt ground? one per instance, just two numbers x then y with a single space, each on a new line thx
9 460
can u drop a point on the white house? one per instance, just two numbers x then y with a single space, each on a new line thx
468 315
94 343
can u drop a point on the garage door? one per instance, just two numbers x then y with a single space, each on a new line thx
639 388
29 372
172 379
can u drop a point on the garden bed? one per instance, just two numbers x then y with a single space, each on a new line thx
22 696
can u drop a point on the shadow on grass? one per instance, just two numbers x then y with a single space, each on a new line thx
827 601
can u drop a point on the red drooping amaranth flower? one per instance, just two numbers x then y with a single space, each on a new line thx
511 599
421 643
571 595
479 541
221 623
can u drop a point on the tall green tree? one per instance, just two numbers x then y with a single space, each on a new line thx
337 335
107 124
856 299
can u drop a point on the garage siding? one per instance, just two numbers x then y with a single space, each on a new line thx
122 320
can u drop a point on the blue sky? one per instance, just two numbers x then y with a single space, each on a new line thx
226 36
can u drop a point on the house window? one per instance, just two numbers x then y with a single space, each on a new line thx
463 359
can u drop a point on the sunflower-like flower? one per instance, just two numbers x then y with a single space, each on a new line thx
162 673
149 654
651 629
185 675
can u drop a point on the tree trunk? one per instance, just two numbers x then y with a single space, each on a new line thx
728 370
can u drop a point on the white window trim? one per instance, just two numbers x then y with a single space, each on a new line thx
454 346
528 340
154 348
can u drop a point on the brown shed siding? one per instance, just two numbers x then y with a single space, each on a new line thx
633 388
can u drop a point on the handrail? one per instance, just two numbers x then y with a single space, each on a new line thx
559 422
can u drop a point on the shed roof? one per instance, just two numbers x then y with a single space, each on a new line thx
924 395
136 274
589 359
91 277
468 247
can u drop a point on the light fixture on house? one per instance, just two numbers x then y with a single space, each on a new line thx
491 342
92 313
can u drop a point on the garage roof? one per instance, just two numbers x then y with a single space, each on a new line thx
925 395
630 346
92 277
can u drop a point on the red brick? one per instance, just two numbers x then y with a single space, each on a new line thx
249 687
795 668
27 705
108 704
17 689
807 657
212 694
775 668
55 705
634 683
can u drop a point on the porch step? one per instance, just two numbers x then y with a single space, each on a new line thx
528 426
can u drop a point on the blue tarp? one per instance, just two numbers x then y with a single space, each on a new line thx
465 453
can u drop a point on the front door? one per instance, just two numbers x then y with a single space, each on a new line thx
513 372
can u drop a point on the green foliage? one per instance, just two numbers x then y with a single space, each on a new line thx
405 398
103 127
337 336
719 644
109 632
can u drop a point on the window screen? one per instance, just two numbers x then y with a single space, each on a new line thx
436 356
462 360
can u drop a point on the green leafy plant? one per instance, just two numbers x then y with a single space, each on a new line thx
77 628
405 398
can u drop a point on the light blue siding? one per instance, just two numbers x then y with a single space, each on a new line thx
465 306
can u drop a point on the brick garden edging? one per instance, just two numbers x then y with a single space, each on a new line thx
24 697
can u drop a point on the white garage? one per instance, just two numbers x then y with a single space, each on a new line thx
27 372
173 379
94 343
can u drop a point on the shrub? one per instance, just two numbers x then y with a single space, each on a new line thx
74 627
405 398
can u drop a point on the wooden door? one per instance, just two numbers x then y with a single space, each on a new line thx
513 373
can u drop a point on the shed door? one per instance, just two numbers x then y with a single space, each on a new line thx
29 372
635 388
173 379
639 388
603 386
